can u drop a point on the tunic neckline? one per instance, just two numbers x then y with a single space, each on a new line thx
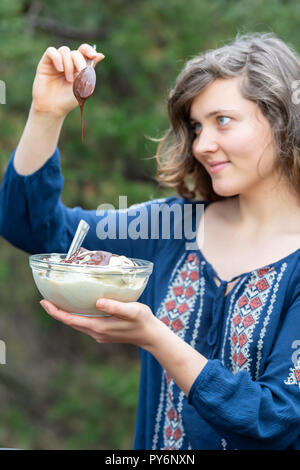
224 283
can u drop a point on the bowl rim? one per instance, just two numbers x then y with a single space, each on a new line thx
37 261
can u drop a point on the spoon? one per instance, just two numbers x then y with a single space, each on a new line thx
84 86
82 230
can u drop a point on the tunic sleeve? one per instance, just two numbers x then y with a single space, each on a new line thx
34 218
31 213
260 414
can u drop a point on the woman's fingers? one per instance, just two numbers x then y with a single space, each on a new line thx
56 58
127 322
75 321
90 53
99 328
123 310
71 62
67 62
78 60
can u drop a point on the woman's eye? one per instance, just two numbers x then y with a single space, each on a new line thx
197 127
223 120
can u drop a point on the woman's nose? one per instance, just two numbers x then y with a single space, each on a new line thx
205 143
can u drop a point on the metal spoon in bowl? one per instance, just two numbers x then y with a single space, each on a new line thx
82 230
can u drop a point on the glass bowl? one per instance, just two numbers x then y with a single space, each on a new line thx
76 288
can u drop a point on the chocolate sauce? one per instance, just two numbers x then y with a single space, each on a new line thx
91 258
83 87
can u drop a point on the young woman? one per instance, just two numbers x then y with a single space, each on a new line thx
218 325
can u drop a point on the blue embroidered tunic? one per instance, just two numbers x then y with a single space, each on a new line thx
248 394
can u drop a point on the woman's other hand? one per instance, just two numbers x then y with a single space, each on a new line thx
129 322
52 91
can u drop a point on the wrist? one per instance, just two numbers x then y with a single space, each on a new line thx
37 113
38 141
179 359
158 334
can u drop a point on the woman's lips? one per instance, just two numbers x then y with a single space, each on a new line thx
219 167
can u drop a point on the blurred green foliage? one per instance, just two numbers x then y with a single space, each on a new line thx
60 389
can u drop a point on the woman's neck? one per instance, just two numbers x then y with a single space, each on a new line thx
274 209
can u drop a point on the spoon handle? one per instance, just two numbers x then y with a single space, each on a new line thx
90 62
82 229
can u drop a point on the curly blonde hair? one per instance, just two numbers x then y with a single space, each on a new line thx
268 68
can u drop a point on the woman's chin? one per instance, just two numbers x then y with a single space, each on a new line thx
225 191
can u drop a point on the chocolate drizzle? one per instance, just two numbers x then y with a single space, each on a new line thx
84 257
91 258
83 87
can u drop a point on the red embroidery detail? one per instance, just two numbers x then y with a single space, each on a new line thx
242 301
178 290
297 374
255 303
168 432
170 305
189 292
177 434
263 271
243 339
237 319
241 359
183 274
248 320
177 325
262 285
165 320
194 276
183 308
234 338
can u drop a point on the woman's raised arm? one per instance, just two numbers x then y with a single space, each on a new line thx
52 100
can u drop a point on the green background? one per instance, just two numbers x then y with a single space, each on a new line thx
58 388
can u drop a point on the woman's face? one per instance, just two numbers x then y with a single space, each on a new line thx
232 132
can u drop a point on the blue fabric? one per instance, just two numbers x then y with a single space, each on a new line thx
248 394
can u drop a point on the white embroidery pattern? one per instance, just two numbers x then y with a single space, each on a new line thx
175 311
234 292
267 319
294 376
246 314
